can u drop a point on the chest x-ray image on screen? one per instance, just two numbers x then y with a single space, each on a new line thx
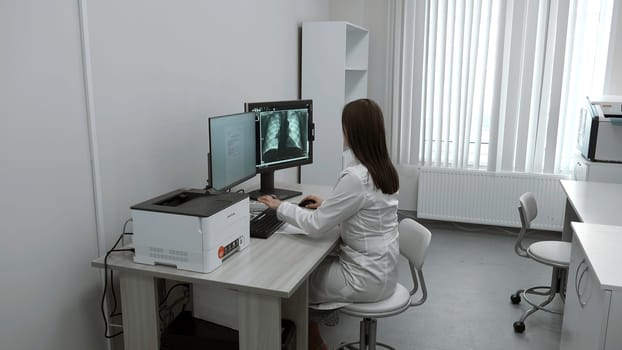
284 136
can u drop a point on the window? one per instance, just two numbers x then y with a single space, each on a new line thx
496 85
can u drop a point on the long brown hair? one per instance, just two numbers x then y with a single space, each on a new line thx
363 126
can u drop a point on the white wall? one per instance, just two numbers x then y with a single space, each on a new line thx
50 294
613 77
159 69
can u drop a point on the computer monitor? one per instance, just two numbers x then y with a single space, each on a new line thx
232 150
284 139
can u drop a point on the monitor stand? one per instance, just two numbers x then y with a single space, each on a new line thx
267 188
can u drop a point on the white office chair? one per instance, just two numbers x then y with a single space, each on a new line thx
552 253
414 241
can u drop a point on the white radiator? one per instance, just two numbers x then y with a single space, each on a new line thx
490 198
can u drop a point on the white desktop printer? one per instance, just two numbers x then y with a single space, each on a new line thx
600 129
190 229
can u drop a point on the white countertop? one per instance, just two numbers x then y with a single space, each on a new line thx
602 245
595 202
274 266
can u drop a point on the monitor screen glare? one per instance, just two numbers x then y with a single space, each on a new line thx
232 149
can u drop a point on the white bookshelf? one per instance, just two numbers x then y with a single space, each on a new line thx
334 72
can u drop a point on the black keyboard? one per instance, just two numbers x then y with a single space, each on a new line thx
265 224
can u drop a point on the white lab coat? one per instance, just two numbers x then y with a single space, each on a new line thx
366 268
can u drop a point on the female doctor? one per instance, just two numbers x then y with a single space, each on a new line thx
364 203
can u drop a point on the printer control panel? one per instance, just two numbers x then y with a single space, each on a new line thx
225 251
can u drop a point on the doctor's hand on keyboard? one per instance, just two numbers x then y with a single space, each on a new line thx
271 201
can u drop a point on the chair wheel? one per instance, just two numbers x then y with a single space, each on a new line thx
515 298
519 327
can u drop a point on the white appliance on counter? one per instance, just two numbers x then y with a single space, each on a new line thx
190 229
600 129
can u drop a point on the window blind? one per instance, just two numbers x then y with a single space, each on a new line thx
496 85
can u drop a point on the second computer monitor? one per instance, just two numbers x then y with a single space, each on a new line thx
284 139
232 149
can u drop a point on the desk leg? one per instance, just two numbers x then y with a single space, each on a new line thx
569 216
259 320
296 309
140 314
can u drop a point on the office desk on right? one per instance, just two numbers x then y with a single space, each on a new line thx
591 202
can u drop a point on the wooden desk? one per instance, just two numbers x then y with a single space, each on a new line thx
591 202
270 277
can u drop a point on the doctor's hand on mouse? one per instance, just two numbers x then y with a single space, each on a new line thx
310 202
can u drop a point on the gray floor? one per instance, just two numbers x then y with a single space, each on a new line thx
470 272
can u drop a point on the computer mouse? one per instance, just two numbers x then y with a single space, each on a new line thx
303 203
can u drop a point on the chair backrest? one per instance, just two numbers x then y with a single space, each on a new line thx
527 210
414 243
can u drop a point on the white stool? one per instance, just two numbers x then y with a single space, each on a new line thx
552 253
414 241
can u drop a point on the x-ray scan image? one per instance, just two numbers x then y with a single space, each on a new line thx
284 135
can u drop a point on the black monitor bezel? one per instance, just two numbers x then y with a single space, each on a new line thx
239 181
282 105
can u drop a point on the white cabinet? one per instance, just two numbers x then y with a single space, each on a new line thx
586 306
586 170
334 72
593 309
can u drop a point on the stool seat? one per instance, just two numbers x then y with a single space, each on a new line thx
550 252
396 302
